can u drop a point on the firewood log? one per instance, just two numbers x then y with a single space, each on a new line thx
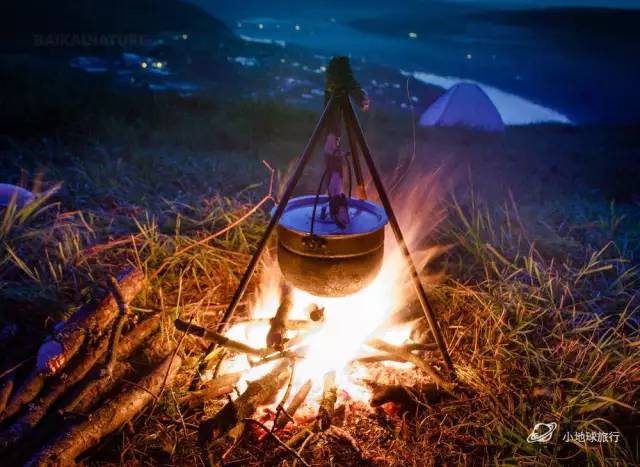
212 389
56 352
37 409
68 378
228 422
108 418
24 394
218 339
328 402
101 381
275 337
297 400
89 320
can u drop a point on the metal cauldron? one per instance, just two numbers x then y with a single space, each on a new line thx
331 262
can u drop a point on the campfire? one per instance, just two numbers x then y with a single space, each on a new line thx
329 303
294 357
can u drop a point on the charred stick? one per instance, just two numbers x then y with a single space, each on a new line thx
328 402
409 398
298 399
213 389
276 335
285 397
383 346
390 357
218 339
290 354
107 418
378 358
421 347
275 437
308 436
289 324
228 422
300 436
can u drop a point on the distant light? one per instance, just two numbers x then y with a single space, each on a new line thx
297 27
239 25
158 64
144 65
323 68
333 20
469 56
185 37
413 35
260 26
282 60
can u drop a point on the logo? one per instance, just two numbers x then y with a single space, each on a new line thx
542 432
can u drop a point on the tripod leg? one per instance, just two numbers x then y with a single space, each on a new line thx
302 162
361 193
352 120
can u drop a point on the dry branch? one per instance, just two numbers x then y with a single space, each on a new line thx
218 339
409 357
294 405
107 418
213 389
389 357
289 324
101 382
275 437
407 398
228 422
89 320
277 331
328 402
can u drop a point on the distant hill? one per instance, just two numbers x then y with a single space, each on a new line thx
21 21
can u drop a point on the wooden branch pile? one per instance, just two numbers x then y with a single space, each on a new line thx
75 369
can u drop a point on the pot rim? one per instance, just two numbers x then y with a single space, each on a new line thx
377 213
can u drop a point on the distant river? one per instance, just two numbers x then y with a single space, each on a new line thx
565 63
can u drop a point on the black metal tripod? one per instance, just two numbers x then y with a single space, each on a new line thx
356 138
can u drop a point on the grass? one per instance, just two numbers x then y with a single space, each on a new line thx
535 338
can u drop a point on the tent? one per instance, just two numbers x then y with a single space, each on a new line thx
9 192
464 105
